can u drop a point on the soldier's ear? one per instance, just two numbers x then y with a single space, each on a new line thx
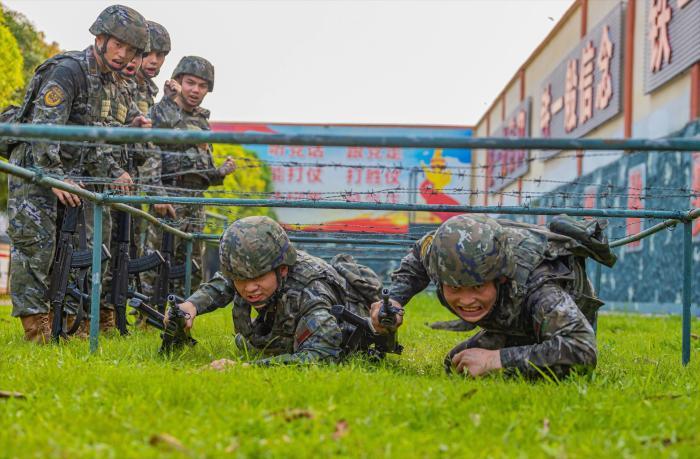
284 270
502 280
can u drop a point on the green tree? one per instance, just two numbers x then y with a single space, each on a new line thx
32 44
11 64
252 179
22 49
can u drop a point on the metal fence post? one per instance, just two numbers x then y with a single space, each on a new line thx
96 274
687 284
188 267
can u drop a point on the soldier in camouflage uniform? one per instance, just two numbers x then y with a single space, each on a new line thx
74 88
291 291
188 168
525 286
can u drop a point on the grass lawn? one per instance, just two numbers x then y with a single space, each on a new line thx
128 401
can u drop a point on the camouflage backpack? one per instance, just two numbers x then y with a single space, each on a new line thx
14 114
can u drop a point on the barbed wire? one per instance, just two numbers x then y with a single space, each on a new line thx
446 170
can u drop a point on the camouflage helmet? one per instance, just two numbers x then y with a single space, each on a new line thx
197 66
469 250
123 23
253 246
159 38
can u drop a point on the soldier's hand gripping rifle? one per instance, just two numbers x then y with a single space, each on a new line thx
123 267
68 260
359 335
174 336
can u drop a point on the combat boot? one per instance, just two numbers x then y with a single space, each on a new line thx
107 320
37 328
83 331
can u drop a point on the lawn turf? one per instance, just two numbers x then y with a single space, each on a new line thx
128 401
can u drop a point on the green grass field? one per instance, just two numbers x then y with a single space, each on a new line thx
128 401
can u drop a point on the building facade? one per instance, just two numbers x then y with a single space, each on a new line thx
608 69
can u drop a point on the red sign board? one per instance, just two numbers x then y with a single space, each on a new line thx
636 182
503 167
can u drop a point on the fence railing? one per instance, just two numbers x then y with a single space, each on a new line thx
128 135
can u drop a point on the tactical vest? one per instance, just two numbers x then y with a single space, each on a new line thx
189 166
89 83
273 330
96 108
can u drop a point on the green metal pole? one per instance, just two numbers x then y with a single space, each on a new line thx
96 281
188 267
687 285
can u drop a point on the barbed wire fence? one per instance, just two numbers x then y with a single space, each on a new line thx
354 238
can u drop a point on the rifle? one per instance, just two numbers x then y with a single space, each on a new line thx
66 260
359 335
174 335
167 272
123 267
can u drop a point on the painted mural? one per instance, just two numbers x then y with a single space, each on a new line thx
362 174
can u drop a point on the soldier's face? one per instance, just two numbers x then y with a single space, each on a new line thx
133 66
152 62
471 303
117 54
193 90
257 291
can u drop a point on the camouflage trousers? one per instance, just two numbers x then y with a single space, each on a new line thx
494 341
33 213
191 220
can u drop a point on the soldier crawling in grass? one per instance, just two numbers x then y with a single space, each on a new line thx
524 285
291 291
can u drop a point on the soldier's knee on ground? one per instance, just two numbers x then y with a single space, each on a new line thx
37 328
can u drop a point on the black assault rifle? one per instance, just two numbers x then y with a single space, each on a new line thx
125 265
174 335
68 260
167 272
359 335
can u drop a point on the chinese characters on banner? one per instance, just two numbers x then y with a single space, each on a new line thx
584 90
505 166
636 182
362 175
300 179
672 40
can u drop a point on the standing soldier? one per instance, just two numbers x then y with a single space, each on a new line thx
525 286
74 88
291 291
144 94
188 167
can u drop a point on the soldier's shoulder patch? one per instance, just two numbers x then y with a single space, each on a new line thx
54 96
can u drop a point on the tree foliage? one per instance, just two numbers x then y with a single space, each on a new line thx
22 49
11 65
252 179
32 44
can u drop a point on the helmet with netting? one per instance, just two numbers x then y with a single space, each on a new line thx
253 246
469 250
159 38
197 66
123 23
